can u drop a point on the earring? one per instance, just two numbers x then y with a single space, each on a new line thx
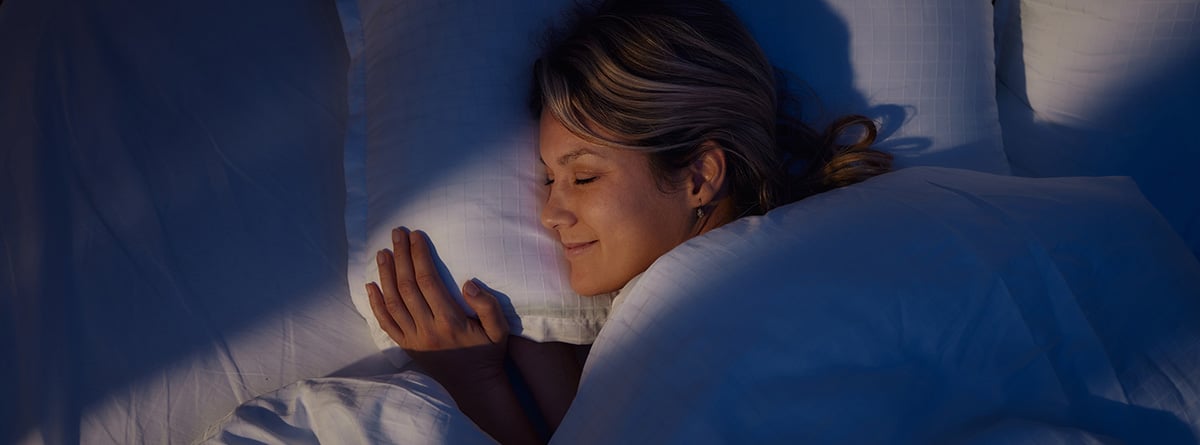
699 212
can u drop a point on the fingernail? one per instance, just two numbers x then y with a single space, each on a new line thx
368 286
471 289
381 256
396 235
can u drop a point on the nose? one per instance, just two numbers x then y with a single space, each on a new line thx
556 213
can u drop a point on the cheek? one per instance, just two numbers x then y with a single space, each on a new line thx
645 226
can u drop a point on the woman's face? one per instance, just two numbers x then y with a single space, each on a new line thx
607 210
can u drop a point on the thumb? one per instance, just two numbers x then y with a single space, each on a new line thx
488 308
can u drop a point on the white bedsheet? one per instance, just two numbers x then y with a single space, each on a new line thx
171 214
404 408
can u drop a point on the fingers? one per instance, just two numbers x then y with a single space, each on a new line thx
488 309
416 310
426 275
390 296
398 269
394 319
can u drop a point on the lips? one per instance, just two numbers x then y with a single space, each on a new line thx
573 249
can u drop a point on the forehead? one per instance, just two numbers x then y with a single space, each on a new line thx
559 146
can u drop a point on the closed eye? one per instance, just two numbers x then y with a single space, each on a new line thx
578 181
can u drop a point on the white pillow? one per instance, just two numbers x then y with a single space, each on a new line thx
1106 87
449 146
924 69
926 305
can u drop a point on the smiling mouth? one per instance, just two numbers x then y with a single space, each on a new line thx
574 249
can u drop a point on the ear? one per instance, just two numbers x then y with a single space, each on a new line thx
706 175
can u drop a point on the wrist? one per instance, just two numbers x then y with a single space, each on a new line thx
459 374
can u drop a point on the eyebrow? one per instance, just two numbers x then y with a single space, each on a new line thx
573 155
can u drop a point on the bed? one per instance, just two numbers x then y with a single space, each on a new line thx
189 195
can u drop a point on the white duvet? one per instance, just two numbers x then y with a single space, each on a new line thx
923 306
405 408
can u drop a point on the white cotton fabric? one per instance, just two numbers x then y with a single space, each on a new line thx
405 408
450 149
927 305
924 70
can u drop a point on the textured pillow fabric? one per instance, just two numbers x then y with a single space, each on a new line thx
1106 87
923 69
448 146
927 305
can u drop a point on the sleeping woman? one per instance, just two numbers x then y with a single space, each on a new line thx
659 121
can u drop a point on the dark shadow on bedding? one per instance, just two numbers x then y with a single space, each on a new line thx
823 37
140 220
1143 129
1094 417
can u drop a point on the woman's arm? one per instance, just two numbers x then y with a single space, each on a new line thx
465 355
493 405
551 371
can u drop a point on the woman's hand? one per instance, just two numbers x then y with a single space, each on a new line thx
417 311
464 354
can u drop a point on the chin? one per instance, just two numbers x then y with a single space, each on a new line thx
590 288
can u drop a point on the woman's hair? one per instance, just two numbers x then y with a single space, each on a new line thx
663 77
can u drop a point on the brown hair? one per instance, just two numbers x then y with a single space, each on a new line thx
663 77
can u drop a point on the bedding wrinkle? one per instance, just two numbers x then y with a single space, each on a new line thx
287 357
232 166
1045 341
129 426
1071 342
1164 390
1169 382
158 261
133 189
1096 368
233 372
46 375
1102 378
955 343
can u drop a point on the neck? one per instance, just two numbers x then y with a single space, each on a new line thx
716 216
